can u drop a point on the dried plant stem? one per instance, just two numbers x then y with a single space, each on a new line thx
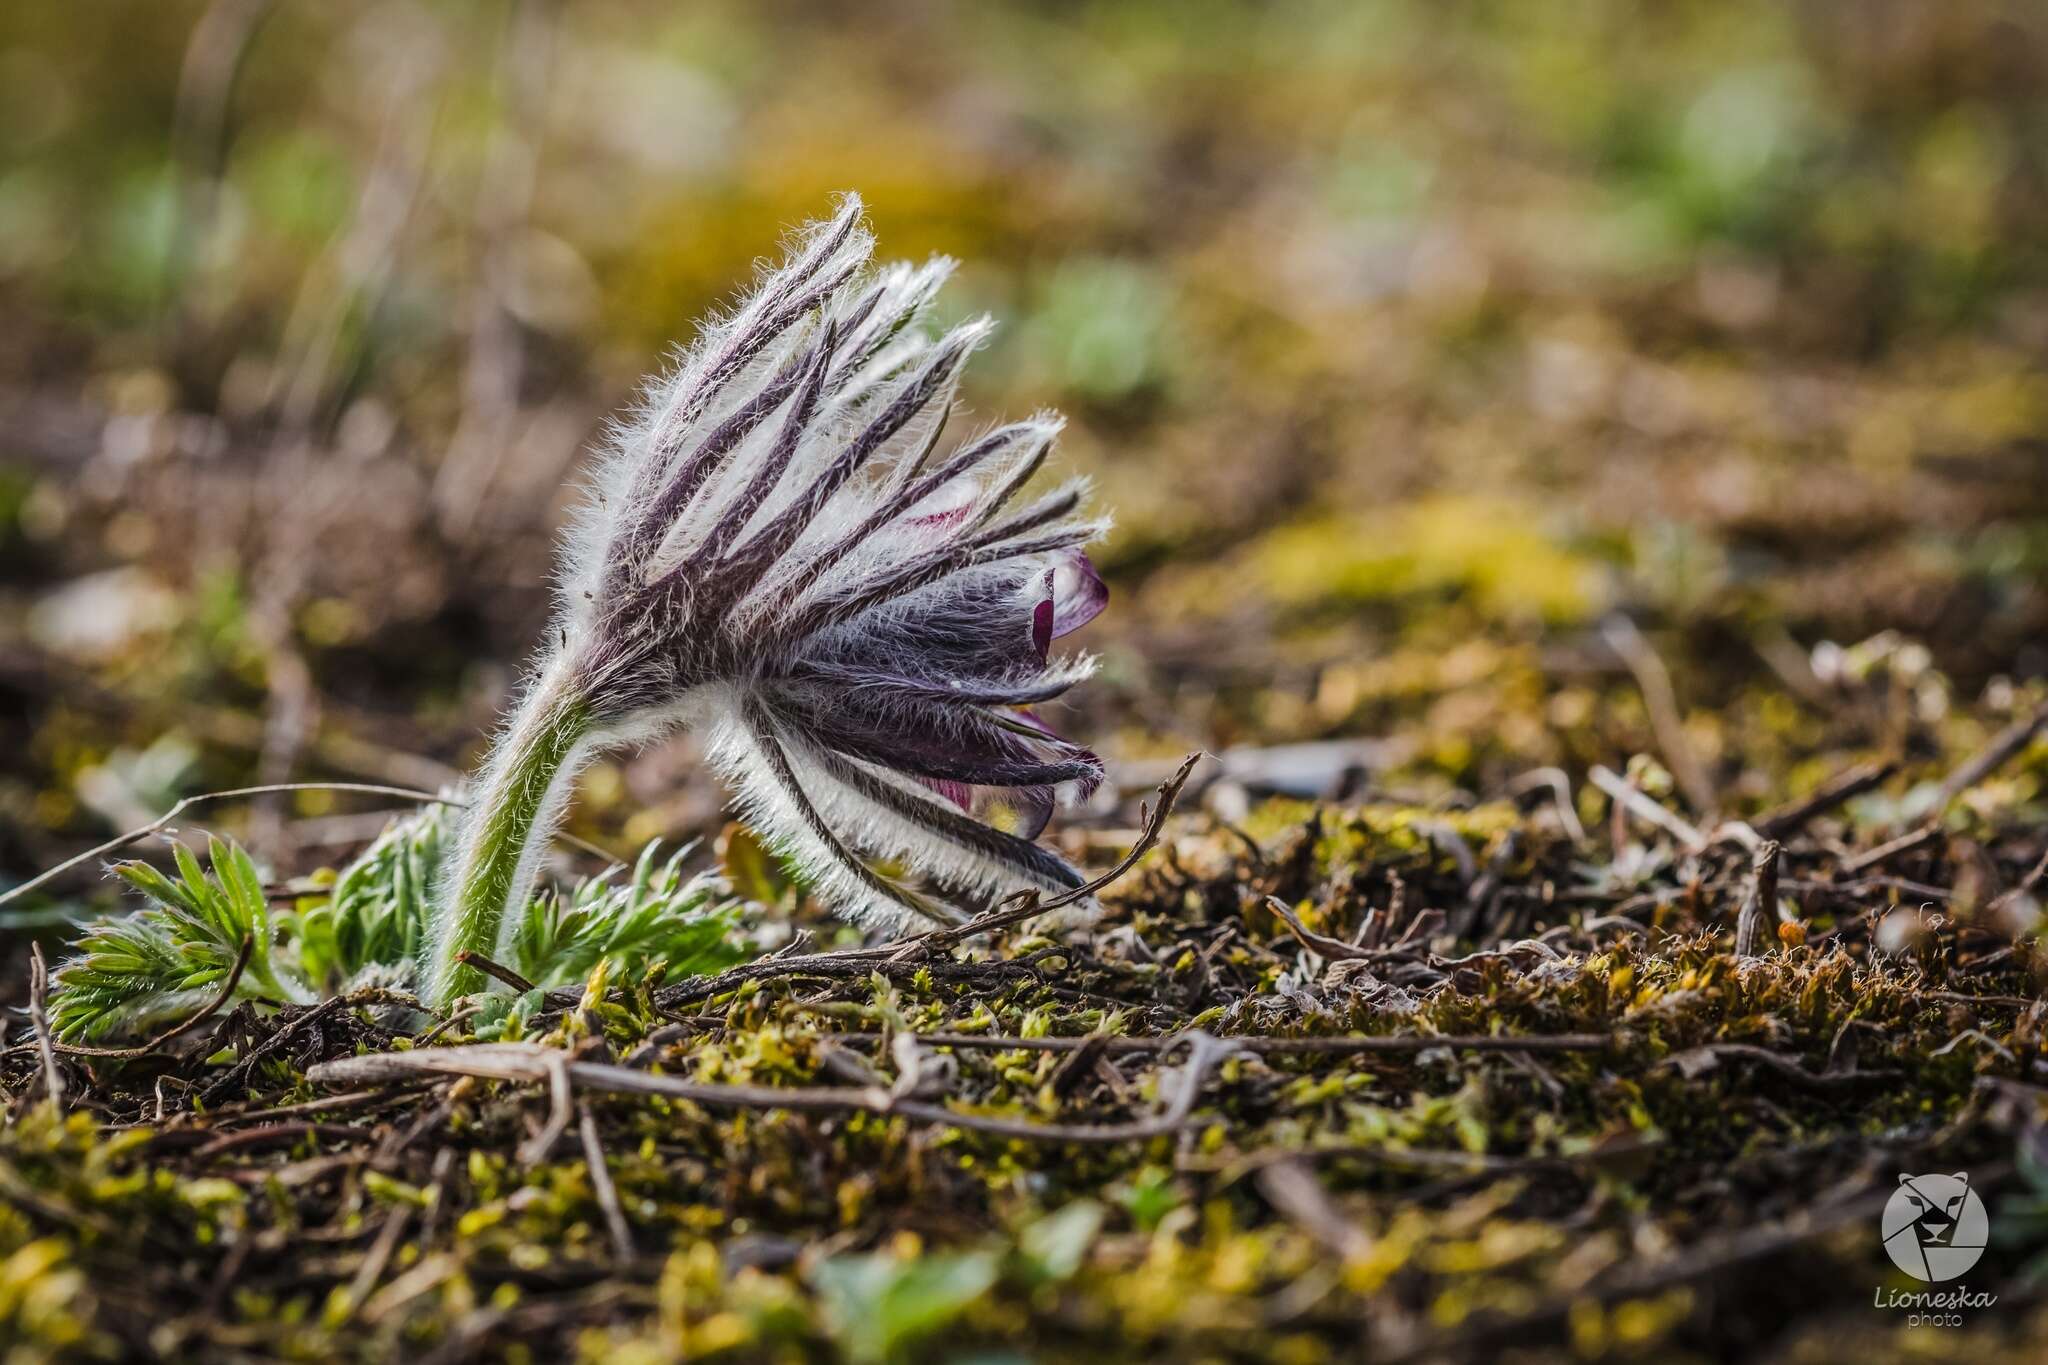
163 822
1397 1044
2003 748
513 810
1843 787
1760 907
1654 680
601 1185
530 1062
1631 797
39 1021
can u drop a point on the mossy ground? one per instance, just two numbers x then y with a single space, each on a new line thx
1703 1180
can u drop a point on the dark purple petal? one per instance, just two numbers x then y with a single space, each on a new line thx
959 793
1044 619
1078 593
973 635
764 729
996 545
963 744
1014 849
1021 689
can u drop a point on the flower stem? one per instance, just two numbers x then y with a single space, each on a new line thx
513 810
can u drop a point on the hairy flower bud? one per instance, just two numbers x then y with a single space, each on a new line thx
773 552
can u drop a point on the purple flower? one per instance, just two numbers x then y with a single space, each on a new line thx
775 552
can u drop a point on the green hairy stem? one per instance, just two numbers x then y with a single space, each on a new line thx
512 812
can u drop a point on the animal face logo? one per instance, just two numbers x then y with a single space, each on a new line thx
1934 1226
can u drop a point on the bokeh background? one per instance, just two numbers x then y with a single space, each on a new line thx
1417 345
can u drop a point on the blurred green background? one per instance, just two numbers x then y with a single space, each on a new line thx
1411 341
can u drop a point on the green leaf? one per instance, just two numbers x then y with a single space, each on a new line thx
685 926
752 870
1150 1196
376 912
879 1304
132 973
1054 1247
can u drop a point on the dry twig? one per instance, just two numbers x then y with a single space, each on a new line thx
531 1062
601 1185
1760 906
1026 906
1836 791
2002 749
1632 798
1654 680
1905 843
163 822
39 1021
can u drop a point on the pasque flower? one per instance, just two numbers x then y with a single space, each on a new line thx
774 551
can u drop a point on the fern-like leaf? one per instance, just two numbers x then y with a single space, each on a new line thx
688 926
376 913
133 972
138 970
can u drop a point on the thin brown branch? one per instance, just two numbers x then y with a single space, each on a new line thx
272 1134
1117 1046
1965 998
466 1012
2002 749
163 822
239 1073
496 969
2027 884
1760 906
1296 1191
531 1063
381 1251
1843 787
1701 1059
39 1021
1559 784
1905 843
1028 907
561 1110
1336 949
601 1185
1031 907
330 1104
1632 799
1654 681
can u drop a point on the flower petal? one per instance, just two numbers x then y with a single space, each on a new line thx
959 793
947 507
963 744
976 636
1078 593
1022 811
